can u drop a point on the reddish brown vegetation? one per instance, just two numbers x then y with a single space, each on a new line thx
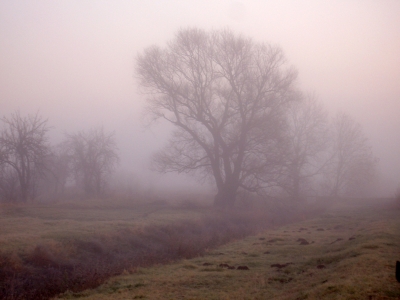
78 264
81 264
223 265
280 266
303 241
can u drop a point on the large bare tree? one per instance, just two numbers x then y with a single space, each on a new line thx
23 151
353 165
308 141
225 95
93 156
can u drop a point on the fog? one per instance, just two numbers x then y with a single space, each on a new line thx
73 62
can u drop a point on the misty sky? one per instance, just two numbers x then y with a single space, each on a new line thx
73 61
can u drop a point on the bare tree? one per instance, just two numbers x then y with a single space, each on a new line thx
60 168
226 95
397 197
57 174
9 187
23 148
353 164
308 139
93 157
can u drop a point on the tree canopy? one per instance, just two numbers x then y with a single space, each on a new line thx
353 164
92 156
226 96
23 151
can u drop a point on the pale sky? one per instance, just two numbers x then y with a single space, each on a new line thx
73 61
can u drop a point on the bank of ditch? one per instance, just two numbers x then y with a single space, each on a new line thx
77 264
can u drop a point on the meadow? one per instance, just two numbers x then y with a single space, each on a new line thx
47 249
123 250
349 252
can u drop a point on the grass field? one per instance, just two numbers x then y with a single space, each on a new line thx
348 252
143 250
46 249
25 226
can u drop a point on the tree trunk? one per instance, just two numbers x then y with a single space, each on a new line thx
226 196
24 194
296 188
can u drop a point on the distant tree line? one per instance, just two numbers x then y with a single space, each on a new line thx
31 168
241 121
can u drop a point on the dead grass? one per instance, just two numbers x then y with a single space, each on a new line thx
25 226
351 255
55 248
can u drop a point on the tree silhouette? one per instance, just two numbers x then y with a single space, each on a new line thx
353 165
23 152
225 95
308 142
92 156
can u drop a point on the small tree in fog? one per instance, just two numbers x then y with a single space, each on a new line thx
9 186
57 174
60 168
397 196
308 138
23 152
353 165
93 157
225 95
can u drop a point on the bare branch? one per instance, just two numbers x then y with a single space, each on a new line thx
225 93
24 148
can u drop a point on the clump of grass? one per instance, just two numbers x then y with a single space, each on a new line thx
190 266
371 246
